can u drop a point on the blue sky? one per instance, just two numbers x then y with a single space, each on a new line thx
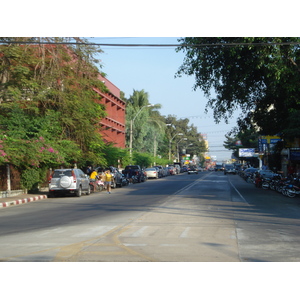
153 70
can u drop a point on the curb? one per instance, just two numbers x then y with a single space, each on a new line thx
22 201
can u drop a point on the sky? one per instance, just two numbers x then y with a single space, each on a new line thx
153 70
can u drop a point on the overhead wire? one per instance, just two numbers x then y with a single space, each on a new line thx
150 45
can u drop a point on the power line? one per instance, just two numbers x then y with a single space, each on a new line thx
150 45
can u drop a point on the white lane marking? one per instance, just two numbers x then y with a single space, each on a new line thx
184 234
189 186
93 231
139 232
236 199
135 245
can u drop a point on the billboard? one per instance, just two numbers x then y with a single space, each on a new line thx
246 152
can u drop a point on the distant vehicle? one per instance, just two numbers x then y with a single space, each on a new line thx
229 169
219 167
69 181
192 170
160 171
184 168
172 170
176 168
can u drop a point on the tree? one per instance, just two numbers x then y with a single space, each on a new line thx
147 121
49 114
259 75
46 92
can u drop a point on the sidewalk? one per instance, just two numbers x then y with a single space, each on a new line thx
21 199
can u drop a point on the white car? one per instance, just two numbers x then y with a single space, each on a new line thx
151 172
69 181
192 170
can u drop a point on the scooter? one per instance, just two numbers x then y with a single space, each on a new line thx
96 186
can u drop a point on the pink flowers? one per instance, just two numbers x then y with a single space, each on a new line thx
2 153
51 150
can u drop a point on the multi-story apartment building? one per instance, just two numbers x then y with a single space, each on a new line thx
113 126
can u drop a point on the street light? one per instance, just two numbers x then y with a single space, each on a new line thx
177 147
170 142
131 127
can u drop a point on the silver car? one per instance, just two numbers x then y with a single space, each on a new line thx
152 172
68 181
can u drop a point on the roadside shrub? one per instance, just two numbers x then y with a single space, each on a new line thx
30 179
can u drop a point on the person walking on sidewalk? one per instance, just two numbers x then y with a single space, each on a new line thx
108 179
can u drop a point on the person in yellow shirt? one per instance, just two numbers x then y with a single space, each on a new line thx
93 175
107 181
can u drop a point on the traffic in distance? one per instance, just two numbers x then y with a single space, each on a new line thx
76 182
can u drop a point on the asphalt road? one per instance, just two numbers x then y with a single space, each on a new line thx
209 217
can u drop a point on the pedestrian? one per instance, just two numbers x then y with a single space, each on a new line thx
130 174
89 170
108 180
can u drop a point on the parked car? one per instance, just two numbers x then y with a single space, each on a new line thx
176 169
229 169
166 171
172 170
160 171
68 181
151 173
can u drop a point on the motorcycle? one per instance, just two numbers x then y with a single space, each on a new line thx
96 186
291 188
266 183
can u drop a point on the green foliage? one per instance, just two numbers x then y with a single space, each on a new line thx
262 78
30 178
142 159
116 156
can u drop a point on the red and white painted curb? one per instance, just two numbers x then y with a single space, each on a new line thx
22 201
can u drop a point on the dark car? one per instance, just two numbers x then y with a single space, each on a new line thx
219 167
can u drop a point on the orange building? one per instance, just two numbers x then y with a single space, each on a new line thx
113 126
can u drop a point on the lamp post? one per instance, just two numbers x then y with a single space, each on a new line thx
170 142
131 128
183 139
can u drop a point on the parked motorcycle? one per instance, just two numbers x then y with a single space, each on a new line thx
96 186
